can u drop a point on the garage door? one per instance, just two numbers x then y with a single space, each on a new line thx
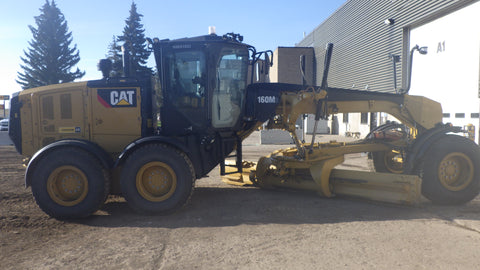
449 73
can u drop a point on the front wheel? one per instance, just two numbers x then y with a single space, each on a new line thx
451 173
388 161
157 179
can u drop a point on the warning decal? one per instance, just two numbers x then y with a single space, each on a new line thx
112 98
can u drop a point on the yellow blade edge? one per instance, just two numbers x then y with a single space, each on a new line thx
238 179
383 187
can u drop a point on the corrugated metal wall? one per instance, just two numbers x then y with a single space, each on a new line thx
363 43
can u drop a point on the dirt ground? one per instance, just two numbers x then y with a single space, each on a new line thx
231 227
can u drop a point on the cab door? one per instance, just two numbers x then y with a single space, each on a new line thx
184 90
229 92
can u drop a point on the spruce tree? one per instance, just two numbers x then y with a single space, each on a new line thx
50 58
114 54
134 40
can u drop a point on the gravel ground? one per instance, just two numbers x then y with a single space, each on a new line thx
232 227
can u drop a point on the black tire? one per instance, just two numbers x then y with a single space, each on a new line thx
157 179
386 162
451 171
69 183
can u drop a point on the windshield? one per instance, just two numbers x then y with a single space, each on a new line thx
230 87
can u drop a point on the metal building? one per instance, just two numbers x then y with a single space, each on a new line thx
372 40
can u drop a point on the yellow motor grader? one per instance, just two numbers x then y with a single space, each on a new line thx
83 141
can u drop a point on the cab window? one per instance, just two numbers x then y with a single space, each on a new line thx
186 82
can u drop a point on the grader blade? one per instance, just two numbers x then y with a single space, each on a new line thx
328 182
383 187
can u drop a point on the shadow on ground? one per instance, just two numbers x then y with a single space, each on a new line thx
220 207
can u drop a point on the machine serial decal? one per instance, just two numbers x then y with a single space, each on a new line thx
69 129
112 98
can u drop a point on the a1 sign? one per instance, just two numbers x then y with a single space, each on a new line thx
4 97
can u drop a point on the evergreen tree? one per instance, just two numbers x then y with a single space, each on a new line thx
115 56
134 40
50 58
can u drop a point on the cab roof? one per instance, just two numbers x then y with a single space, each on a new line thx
230 37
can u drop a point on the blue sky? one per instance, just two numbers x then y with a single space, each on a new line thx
264 24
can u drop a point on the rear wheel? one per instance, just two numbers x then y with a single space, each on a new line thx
450 173
157 179
69 183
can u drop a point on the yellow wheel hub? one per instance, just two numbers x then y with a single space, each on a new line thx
67 186
394 162
156 181
456 171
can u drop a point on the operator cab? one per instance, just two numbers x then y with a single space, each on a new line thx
203 81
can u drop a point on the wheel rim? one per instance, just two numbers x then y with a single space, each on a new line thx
67 186
393 163
156 181
456 171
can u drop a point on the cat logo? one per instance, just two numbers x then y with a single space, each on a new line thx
112 98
